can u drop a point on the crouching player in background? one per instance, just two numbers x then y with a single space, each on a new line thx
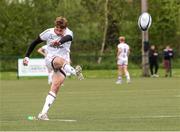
58 40
44 51
123 52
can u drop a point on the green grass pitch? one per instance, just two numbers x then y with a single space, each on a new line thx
92 104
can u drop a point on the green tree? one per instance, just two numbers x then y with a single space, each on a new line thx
22 20
165 22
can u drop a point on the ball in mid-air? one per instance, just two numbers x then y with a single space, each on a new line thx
144 21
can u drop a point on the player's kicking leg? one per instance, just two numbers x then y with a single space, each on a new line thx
77 71
67 68
79 74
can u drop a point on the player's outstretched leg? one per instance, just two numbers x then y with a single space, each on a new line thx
68 69
77 71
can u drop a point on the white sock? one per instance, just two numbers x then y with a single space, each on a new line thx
127 75
69 69
119 78
49 100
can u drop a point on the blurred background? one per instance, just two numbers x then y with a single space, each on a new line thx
22 20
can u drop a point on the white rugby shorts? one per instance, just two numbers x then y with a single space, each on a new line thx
122 62
48 60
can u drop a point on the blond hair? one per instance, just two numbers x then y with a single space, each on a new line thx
122 39
61 22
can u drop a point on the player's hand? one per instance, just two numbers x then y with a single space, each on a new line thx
25 61
55 43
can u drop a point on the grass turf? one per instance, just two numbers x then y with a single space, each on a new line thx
96 104
95 74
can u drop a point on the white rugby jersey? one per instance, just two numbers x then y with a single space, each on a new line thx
45 49
50 36
124 51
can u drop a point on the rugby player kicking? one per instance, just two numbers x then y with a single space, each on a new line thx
58 41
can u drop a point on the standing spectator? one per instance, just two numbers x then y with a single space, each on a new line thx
153 61
123 52
167 56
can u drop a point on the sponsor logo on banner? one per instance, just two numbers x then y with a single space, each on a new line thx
36 67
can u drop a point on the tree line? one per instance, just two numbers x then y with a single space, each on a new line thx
22 20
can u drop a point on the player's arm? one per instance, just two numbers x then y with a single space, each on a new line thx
30 49
63 40
41 51
118 52
129 51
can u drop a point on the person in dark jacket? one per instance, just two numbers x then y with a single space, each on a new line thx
167 56
153 61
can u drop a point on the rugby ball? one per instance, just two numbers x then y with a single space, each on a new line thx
144 21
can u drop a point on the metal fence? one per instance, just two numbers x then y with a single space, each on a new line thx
9 63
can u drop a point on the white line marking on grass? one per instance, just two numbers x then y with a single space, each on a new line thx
130 117
8 121
156 116
62 120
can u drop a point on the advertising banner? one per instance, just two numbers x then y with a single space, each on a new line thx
36 67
